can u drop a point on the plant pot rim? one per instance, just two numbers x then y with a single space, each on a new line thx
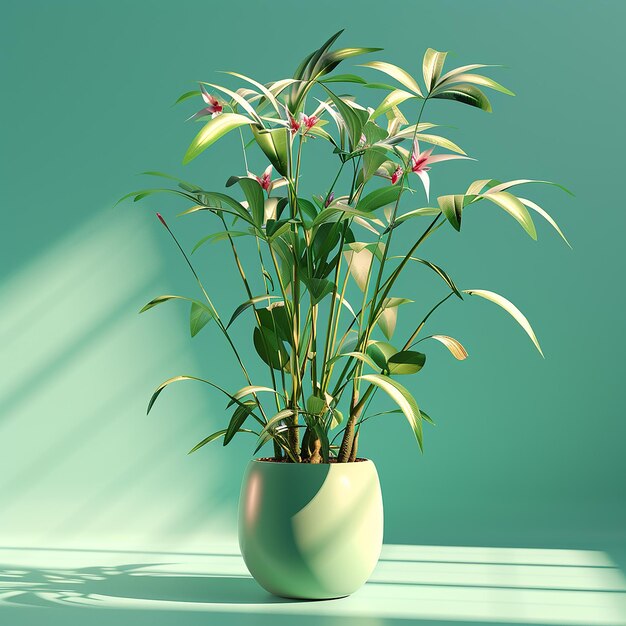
269 461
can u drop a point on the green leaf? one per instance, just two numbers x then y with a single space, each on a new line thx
402 76
254 195
467 94
274 143
439 271
378 198
247 390
546 216
442 142
402 397
354 123
315 405
498 186
380 352
475 79
217 435
248 303
219 236
360 356
270 348
269 430
432 66
452 207
161 299
262 88
405 362
393 99
318 288
214 130
344 78
514 208
239 417
373 158
510 308
187 95
199 316
175 379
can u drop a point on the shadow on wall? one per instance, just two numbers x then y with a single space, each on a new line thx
484 585
80 461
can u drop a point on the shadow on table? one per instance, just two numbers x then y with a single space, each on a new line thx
45 587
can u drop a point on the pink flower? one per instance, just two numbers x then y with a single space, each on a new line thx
294 126
213 109
161 219
421 160
395 177
265 180
309 122
329 199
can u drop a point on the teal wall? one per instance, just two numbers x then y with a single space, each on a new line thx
526 451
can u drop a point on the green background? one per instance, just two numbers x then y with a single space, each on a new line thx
526 451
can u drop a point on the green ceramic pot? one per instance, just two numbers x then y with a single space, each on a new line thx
311 531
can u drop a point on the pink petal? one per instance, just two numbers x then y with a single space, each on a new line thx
425 181
205 95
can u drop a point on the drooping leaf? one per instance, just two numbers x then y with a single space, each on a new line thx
405 362
248 303
176 379
455 347
214 130
217 435
161 299
510 308
199 316
452 207
545 215
403 398
439 271
219 236
514 208
402 76
247 390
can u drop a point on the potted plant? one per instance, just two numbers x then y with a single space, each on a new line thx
318 276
